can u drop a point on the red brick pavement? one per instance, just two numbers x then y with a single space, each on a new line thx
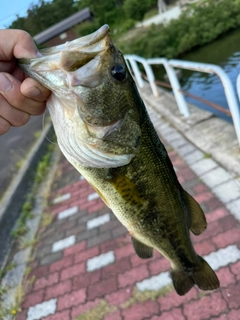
63 275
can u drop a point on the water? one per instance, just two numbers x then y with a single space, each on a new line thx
224 52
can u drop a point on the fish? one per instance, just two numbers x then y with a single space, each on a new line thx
104 130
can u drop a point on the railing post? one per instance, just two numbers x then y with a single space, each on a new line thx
182 105
151 77
135 69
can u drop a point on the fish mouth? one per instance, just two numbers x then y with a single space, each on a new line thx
70 64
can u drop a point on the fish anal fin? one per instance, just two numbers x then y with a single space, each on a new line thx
198 220
203 276
141 249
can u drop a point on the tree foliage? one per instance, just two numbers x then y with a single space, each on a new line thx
198 25
135 9
43 15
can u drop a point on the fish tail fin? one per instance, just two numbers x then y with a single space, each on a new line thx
204 277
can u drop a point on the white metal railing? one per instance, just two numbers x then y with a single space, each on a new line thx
169 65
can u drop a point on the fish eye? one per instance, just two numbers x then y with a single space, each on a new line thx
118 72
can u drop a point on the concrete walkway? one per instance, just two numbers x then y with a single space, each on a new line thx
84 265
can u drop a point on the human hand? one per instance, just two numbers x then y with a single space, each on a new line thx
20 96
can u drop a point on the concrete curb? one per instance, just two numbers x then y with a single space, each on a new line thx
16 195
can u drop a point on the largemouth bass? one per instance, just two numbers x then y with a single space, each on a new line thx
104 130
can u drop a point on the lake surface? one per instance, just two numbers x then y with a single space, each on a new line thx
224 52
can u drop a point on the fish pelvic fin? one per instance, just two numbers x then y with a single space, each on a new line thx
205 278
141 249
198 219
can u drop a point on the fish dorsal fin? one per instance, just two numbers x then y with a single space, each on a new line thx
141 249
198 220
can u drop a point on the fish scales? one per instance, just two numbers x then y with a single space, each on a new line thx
104 130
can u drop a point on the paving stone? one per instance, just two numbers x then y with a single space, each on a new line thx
84 280
93 196
64 243
155 283
174 314
58 289
86 254
100 261
231 295
82 308
194 156
51 258
113 316
205 308
62 198
78 229
176 143
114 269
133 276
233 207
41 310
226 277
67 213
46 281
166 131
13 276
173 135
227 238
64 315
228 191
99 239
215 177
55 236
94 223
102 288
71 299
33 298
119 297
223 257
141 310
186 149
22 256
76 248
172 300
88 234
204 165
43 251
72 271
40 271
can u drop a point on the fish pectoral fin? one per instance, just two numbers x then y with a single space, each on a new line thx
198 220
141 249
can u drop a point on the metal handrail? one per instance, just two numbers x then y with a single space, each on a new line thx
169 65
193 96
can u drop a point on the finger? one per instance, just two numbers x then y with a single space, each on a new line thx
13 116
4 126
34 90
18 44
10 90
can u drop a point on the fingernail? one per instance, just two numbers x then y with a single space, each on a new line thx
33 92
5 83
